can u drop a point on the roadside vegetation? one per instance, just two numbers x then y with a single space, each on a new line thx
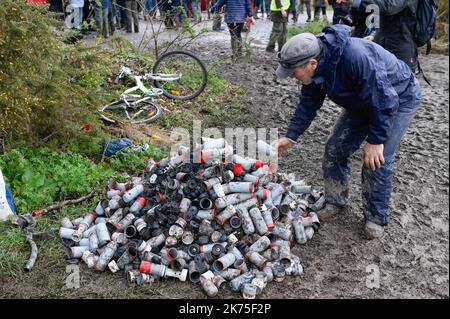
314 27
50 130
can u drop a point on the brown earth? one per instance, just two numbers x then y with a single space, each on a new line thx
412 257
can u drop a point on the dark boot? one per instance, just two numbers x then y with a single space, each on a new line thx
316 14
234 48
153 13
112 27
217 22
239 47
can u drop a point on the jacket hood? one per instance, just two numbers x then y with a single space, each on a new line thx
334 39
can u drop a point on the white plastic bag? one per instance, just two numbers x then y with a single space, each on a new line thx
7 207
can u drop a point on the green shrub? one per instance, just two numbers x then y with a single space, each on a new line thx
40 177
312 27
47 87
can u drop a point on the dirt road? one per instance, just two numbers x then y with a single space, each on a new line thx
412 259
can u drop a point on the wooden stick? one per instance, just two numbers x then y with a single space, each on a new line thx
59 206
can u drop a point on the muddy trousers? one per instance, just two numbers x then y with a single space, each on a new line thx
264 5
196 10
293 8
317 12
278 35
132 13
102 21
348 134
307 4
236 38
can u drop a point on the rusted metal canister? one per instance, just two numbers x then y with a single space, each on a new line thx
258 221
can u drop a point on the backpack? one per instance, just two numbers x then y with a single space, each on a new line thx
118 145
113 147
426 23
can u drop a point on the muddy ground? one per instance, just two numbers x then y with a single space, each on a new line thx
412 257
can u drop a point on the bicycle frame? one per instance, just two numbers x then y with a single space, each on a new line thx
152 92
125 71
134 96
163 77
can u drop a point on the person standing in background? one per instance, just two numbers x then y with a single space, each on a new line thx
236 14
339 10
293 10
149 5
77 6
320 5
267 7
258 5
131 8
279 16
101 17
397 23
56 6
195 9
307 4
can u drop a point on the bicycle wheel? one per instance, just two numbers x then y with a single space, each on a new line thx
193 75
143 112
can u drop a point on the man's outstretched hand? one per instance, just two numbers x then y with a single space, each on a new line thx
373 156
373 153
282 144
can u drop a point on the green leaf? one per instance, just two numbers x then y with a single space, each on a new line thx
27 176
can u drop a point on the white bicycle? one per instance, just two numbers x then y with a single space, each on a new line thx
178 75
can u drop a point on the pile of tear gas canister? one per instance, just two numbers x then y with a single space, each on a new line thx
203 215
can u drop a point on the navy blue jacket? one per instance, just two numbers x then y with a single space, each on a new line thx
237 11
360 76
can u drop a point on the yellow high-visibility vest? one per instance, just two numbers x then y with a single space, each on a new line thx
284 5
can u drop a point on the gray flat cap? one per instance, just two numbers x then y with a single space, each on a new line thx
296 52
